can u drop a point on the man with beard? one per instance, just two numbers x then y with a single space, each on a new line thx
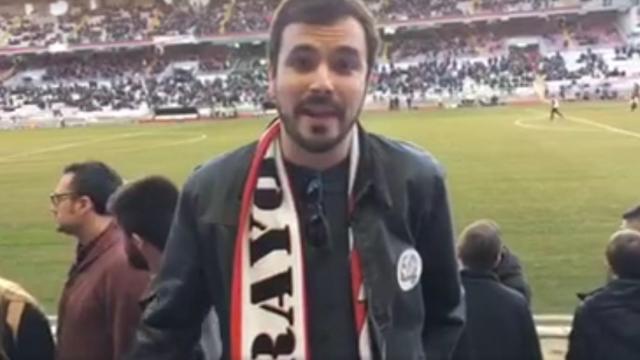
144 209
321 240
98 310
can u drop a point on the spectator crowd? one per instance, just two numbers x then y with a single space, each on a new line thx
117 24
132 79
122 231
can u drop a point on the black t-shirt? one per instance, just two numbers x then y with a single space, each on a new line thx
34 340
328 277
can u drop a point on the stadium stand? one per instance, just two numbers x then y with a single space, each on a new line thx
155 54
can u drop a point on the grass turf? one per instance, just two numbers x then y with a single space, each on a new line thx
557 189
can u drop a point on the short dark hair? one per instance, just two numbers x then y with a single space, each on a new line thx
322 12
623 254
633 213
480 245
145 207
95 180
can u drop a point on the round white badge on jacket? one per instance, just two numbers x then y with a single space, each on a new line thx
409 269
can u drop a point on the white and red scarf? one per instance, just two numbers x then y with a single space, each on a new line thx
269 309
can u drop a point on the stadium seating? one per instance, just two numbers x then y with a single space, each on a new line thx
117 24
459 59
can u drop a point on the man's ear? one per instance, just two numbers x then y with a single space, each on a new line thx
271 91
84 204
498 259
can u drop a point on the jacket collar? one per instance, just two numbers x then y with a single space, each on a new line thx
371 178
87 254
479 274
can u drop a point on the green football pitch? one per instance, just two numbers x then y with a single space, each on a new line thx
557 189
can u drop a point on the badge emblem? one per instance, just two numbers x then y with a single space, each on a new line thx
409 269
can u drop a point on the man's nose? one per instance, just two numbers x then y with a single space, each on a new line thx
322 81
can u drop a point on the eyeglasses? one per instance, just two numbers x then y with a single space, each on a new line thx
316 224
56 198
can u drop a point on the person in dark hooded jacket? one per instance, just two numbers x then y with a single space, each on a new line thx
499 325
510 273
607 324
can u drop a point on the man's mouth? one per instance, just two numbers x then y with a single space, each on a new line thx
320 112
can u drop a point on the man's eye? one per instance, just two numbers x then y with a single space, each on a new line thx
302 63
346 65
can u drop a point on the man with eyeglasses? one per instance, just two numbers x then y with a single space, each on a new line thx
321 240
98 310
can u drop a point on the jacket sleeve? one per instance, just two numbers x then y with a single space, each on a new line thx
578 338
171 323
441 287
125 287
531 340
34 340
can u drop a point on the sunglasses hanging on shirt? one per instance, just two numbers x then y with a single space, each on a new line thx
316 225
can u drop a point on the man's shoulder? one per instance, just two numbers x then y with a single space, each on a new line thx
11 291
592 303
493 288
117 269
511 299
515 297
405 156
613 293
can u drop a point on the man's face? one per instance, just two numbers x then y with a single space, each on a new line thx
319 82
67 208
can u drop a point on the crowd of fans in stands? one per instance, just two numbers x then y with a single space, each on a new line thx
93 86
107 24
592 64
627 51
440 61
448 75
431 47
94 65
251 16
129 80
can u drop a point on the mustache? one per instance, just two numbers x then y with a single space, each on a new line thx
319 103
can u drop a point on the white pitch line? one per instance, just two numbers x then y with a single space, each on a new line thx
609 128
66 146
523 124
192 140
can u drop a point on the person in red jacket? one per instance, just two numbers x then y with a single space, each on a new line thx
98 310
